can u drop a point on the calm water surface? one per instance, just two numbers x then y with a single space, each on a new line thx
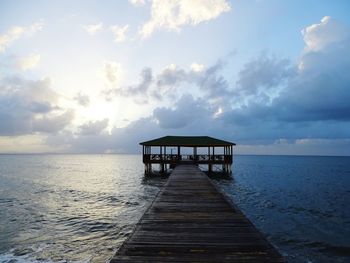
300 203
80 208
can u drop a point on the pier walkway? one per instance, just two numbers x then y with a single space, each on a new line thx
190 221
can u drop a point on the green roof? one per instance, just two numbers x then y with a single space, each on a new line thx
189 141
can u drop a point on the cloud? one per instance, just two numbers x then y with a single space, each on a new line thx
53 123
214 85
93 127
186 110
174 14
263 73
32 143
141 88
137 2
120 140
313 101
172 81
16 32
112 72
93 29
196 67
297 105
320 90
273 106
328 147
319 36
82 99
119 32
125 140
29 62
28 107
171 75
209 82
263 78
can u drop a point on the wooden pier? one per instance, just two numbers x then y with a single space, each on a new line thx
191 221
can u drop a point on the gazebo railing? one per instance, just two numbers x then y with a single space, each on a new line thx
174 158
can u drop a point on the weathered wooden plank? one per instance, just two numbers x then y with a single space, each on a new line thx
190 221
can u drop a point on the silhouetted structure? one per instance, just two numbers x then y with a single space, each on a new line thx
166 158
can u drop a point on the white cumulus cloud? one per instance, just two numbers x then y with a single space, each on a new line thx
93 28
17 32
173 14
112 72
197 67
28 62
319 36
137 2
119 32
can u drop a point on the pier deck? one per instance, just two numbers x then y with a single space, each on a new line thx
190 221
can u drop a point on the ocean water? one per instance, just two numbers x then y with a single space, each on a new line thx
300 203
70 208
80 208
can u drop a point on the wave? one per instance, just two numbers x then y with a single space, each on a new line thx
28 256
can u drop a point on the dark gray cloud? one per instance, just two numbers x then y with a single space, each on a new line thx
307 111
53 124
284 107
262 74
93 127
142 87
189 116
314 103
28 106
209 82
173 81
170 76
306 103
40 107
185 111
82 99
120 140
319 91
136 90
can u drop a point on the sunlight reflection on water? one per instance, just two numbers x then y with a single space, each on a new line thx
70 207
80 208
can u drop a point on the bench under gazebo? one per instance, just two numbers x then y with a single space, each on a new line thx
204 150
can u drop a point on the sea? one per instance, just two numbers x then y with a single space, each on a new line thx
80 208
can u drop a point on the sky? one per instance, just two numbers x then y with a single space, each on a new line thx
101 76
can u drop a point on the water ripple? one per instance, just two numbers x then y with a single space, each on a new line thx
55 211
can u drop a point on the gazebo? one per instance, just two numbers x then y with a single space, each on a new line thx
217 152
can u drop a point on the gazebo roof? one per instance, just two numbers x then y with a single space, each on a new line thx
187 141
